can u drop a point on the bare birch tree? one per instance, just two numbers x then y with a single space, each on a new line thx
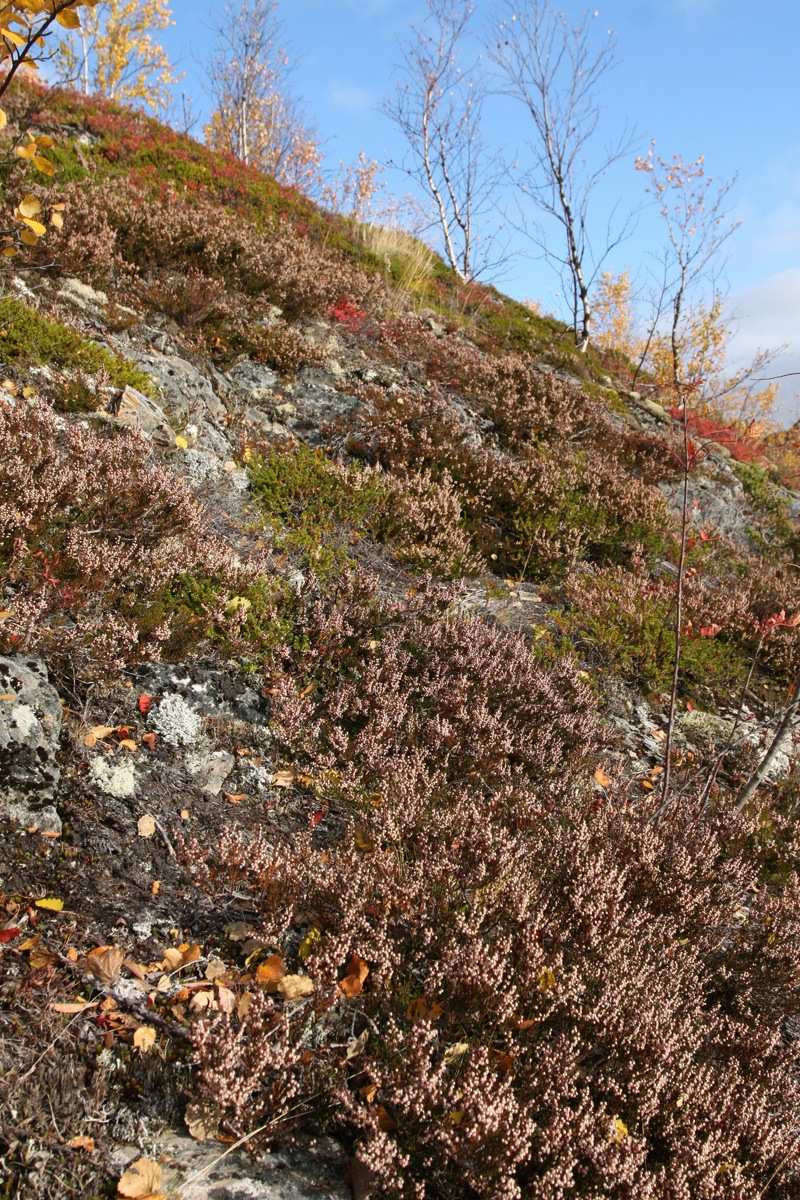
551 68
255 115
438 107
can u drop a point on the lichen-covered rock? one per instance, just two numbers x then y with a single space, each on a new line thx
30 725
210 691
187 390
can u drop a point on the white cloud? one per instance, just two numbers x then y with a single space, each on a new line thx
767 314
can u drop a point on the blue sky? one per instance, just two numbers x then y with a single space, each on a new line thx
710 77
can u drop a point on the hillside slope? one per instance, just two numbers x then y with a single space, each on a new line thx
336 642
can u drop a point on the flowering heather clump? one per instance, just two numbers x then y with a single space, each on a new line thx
118 228
102 551
507 989
537 509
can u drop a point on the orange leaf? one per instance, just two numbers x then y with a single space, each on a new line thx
271 972
353 983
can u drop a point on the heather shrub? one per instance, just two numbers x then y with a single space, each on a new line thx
510 990
98 545
623 620
150 234
537 510
27 338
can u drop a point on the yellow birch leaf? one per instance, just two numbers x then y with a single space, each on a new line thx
69 19
28 237
141 1180
547 980
57 220
455 1052
181 443
35 226
10 251
30 206
44 142
51 904
13 37
44 165
619 1131
3 119
312 939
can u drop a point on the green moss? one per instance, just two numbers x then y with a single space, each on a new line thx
315 508
638 644
29 339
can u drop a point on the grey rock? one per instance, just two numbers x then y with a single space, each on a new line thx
187 391
202 468
258 381
317 403
655 409
137 411
713 500
30 725
209 691
204 1171
211 773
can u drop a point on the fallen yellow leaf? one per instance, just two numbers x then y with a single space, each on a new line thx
144 1038
141 1181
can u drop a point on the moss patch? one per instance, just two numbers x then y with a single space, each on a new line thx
29 339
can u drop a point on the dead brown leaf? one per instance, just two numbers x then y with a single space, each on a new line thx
353 983
144 1038
105 963
271 972
82 1142
146 826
